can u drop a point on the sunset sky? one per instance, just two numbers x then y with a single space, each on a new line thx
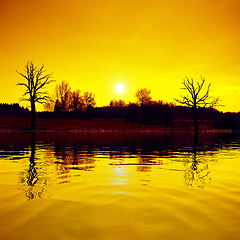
96 44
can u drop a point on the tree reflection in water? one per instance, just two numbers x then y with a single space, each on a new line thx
145 163
71 158
197 171
31 177
70 153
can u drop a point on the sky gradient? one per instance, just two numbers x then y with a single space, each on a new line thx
96 44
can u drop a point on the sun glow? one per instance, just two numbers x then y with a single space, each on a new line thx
119 88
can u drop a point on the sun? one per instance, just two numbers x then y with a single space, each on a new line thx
120 88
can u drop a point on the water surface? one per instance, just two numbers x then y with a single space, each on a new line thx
119 186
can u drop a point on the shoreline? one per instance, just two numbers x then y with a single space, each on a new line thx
113 131
51 125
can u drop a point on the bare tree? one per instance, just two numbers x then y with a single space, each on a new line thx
143 96
36 80
89 99
114 103
49 105
88 103
143 99
195 100
62 95
76 101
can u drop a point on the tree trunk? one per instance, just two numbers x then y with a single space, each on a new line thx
195 143
142 113
33 115
33 147
32 176
195 118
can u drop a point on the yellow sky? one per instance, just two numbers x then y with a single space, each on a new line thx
96 44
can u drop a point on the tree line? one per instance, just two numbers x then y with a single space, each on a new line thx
64 102
13 109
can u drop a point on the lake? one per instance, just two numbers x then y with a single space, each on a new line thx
112 186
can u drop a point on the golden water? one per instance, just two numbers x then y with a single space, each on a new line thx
119 186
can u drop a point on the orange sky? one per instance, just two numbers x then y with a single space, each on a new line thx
96 44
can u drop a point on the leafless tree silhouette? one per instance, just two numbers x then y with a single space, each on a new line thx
49 105
143 96
195 100
62 95
37 79
88 103
76 101
89 99
115 103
